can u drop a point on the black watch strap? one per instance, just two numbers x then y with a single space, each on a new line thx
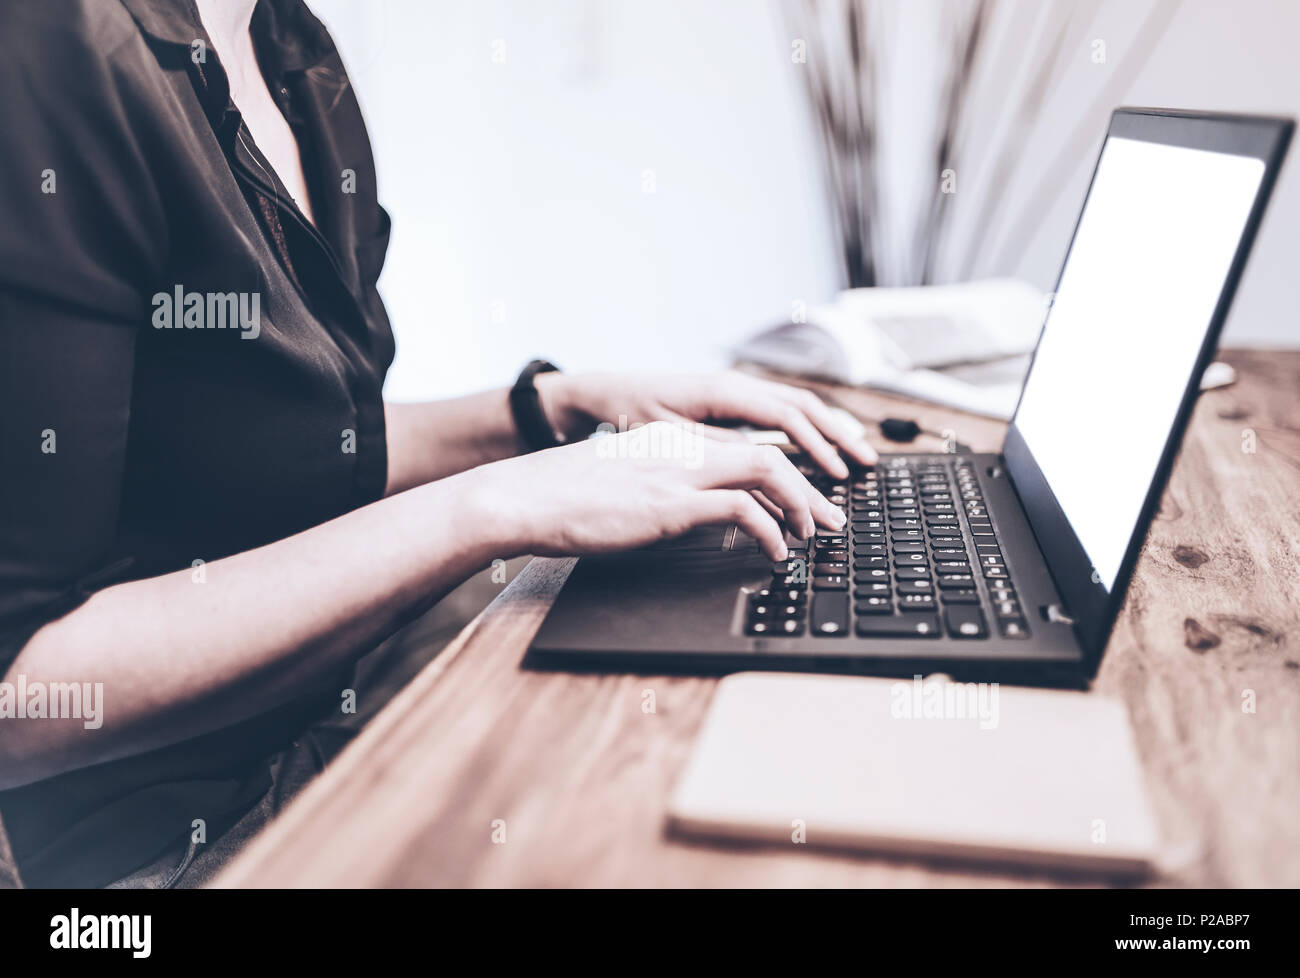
526 406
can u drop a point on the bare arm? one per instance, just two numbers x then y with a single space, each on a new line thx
179 658
434 439
430 440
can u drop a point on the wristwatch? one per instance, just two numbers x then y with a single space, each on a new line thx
526 406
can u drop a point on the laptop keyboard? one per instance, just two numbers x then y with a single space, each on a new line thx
918 558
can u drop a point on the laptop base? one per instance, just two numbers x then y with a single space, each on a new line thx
684 607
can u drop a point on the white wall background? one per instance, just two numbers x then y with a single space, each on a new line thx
636 184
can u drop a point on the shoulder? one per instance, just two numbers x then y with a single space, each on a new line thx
62 33
60 55
80 89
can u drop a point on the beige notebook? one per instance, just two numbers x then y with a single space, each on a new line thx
922 767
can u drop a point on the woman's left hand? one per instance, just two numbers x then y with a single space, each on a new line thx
576 403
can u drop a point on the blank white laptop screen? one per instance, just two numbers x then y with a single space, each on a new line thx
1140 284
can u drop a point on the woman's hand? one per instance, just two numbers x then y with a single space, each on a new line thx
616 492
577 403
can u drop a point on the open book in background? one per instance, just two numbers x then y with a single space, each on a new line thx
965 346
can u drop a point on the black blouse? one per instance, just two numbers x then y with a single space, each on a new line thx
188 368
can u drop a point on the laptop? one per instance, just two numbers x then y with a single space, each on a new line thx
1009 566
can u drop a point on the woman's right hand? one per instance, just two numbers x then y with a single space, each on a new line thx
626 490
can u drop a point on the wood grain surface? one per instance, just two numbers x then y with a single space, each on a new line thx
577 775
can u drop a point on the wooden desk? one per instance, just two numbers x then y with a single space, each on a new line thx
580 774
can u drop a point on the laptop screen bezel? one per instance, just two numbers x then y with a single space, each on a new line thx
1089 603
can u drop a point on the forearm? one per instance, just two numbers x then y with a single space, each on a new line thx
435 439
178 658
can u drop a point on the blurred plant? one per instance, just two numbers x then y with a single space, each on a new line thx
847 70
841 87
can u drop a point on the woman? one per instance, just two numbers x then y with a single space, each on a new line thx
208 510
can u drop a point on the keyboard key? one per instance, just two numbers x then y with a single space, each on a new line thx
912 573
961 596
772 596
830 613
899 626
909 560
915 587
909 547
1013 627
874 606
1006 609
867 550
871 590
830 582
830 568
952 566
995 572
956 581
832 555
965 621
859 539
916 602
